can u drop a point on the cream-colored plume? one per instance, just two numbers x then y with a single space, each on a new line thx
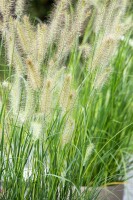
68 131
46 98
36 130
88 153
65 93
15 96
56 21
34 75
19 9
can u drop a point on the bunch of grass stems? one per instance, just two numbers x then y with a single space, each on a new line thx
65 128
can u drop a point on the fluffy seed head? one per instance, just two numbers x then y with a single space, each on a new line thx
29 104
46 98
20 5
104 52
33 75
41 43
65 93
101 78
36 129
67 133
55 24
85 49
6 84
16 96
88 153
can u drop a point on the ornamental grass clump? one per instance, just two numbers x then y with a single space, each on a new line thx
49 111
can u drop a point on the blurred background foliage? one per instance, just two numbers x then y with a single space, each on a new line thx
41 8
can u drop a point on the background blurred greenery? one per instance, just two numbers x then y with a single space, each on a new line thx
41 8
